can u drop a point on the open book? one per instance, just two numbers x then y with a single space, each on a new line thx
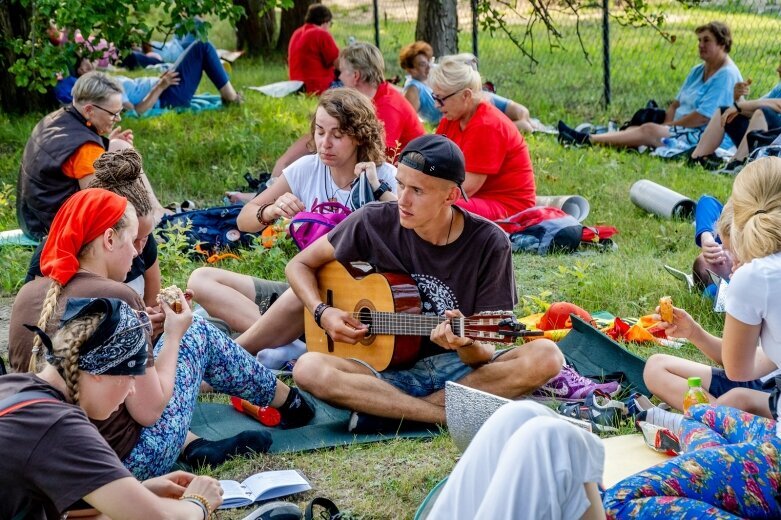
262 486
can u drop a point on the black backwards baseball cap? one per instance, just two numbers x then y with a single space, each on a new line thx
442 158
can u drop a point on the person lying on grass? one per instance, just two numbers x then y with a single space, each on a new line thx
708 86
54 460
88 253
347 139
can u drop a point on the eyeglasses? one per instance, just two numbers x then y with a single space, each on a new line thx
116 116
441 100
143 323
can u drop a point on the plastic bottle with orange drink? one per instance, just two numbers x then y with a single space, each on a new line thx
695 394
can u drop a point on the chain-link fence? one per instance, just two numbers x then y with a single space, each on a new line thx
568 76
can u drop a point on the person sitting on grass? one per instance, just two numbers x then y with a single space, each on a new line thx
362 67
312 51
120 172
347 139
88 253
461 263
416 60
53 457
730 459
499 174
174 87
736 121
708 86
714 256
666 376
59 155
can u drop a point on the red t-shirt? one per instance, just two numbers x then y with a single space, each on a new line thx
400 119
493 147
311 55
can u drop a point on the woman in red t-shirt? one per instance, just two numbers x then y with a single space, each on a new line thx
499 179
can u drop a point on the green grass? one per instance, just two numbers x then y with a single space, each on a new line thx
200 156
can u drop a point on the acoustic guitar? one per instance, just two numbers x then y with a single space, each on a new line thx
389 303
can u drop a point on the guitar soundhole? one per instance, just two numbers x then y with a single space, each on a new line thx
364 312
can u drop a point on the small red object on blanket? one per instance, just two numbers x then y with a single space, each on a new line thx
558 316
266 415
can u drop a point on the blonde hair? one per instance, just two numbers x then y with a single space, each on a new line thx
66 345
367 60
756 203
357 119
95 87
120 172
50 301
454 73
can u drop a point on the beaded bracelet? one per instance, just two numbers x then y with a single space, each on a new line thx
200 500
259 214
319 310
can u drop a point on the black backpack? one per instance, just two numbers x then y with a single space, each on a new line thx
650 114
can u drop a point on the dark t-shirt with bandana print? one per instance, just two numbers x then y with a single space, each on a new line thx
473 274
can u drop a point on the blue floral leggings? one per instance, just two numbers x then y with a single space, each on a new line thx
205 354
731 469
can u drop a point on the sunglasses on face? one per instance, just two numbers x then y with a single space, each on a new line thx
116 116
441 100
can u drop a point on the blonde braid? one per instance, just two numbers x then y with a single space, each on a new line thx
47 311
66 348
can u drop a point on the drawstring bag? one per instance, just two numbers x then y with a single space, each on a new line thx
361 192
308 226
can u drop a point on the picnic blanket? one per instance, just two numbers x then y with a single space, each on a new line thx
626 455
327 429
199 103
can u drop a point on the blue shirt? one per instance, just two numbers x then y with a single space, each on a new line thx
428 108
136 89
775 93
705 97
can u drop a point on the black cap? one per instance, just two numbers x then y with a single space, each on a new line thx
442 158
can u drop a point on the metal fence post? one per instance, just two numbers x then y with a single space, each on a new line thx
606 50
474 27
376 23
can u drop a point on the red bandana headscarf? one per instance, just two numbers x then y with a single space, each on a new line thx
82 219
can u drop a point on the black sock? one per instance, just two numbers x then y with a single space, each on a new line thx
213 453
295 411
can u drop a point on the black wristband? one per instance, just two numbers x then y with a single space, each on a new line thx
318 314
381 189
737 107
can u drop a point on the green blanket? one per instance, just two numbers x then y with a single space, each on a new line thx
594 354
328 428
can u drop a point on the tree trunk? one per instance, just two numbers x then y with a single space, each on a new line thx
292 19
438 25
15 23
255 30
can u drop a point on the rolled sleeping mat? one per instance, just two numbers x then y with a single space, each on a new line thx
574 205
466 409
661 201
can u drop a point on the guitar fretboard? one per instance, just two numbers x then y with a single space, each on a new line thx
400 324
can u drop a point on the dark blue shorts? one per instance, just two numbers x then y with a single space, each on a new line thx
720 384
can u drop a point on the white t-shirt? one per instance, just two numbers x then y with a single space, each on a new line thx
753 299
310 179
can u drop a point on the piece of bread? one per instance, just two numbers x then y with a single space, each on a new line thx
666 309
170 295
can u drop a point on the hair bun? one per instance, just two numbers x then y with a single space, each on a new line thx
118 168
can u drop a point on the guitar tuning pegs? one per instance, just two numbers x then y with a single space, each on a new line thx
512 324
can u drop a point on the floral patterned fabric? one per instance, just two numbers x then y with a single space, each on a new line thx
205 354
730 469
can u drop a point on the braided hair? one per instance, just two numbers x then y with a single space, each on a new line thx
66 347
120 172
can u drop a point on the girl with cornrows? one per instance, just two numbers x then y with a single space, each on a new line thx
348 140
53 457
89 250
121 172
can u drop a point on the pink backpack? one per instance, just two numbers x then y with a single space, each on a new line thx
308 226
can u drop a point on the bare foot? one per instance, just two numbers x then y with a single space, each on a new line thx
239 197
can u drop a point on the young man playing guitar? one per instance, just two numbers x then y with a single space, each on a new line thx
461 263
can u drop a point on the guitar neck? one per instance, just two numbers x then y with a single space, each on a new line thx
401 324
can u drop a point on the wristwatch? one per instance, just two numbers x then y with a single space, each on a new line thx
382 188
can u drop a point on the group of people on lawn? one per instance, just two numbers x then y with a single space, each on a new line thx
107 373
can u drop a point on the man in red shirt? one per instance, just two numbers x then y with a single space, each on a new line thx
362 67
312 51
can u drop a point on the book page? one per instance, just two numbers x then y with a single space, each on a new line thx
272 484
232 489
